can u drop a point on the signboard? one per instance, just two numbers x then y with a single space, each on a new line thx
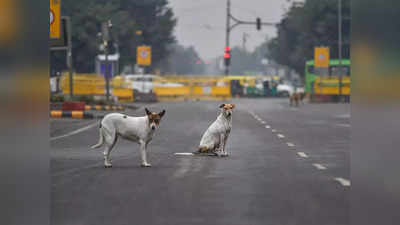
62 42
55 18
321 57
143 57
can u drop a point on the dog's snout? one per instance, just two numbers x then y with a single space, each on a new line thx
153 127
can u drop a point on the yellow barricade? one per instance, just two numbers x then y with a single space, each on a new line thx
93 84
193 87
330 86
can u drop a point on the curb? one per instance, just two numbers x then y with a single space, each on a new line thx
103 107
71 114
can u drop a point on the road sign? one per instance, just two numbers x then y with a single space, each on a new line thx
321 57
143 55
62 42
55 18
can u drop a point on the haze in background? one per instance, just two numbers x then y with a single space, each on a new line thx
202 23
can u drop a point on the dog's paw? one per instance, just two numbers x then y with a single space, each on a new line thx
145 165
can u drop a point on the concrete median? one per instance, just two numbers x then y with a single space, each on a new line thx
71 114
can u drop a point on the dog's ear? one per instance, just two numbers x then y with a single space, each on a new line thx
233 106
222 106
161 114
147 112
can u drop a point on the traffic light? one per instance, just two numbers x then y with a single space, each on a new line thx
258 21
227 56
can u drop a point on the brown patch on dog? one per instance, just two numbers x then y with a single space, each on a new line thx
227 106
203 149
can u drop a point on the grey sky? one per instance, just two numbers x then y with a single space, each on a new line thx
201 23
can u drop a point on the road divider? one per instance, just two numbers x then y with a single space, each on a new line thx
71 114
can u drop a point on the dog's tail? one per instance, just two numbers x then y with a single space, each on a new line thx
101 139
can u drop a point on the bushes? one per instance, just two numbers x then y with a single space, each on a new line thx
57 98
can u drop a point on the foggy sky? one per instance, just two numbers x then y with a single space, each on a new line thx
201 23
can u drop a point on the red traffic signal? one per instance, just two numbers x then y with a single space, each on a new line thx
227 56
227 52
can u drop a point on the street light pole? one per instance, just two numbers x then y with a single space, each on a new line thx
106 37
340 47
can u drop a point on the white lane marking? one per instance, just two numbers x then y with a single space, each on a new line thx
267 126
343 116
290 144
319 166
302 154
183 153
343 181
75 131
273 130
280 135
343 125
263 122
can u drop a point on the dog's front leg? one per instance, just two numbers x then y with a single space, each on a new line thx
225 153
143 154
220 150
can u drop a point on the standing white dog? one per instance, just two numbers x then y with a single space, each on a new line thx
136 129
215 137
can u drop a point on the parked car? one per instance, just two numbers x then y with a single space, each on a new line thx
145 83
284 90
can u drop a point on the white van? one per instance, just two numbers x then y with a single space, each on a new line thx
144 83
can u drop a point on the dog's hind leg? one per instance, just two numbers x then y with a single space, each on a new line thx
110 141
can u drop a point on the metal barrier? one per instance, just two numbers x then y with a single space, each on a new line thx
192 88
93 84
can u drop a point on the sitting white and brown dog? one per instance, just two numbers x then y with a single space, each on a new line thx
214 139
136 129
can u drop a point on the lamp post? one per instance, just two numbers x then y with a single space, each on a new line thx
106 26
340 48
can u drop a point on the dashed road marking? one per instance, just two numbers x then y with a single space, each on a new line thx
343 125
280 136
273 130
263 122
302 154
319 166
183 153
290 144
267 126
343 181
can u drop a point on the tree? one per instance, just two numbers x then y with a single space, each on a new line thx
308 26
153 17
182 61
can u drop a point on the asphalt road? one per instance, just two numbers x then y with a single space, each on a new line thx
286 166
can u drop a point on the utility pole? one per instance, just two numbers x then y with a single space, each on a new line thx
228 30
106 37
340 48
230 27
69 57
